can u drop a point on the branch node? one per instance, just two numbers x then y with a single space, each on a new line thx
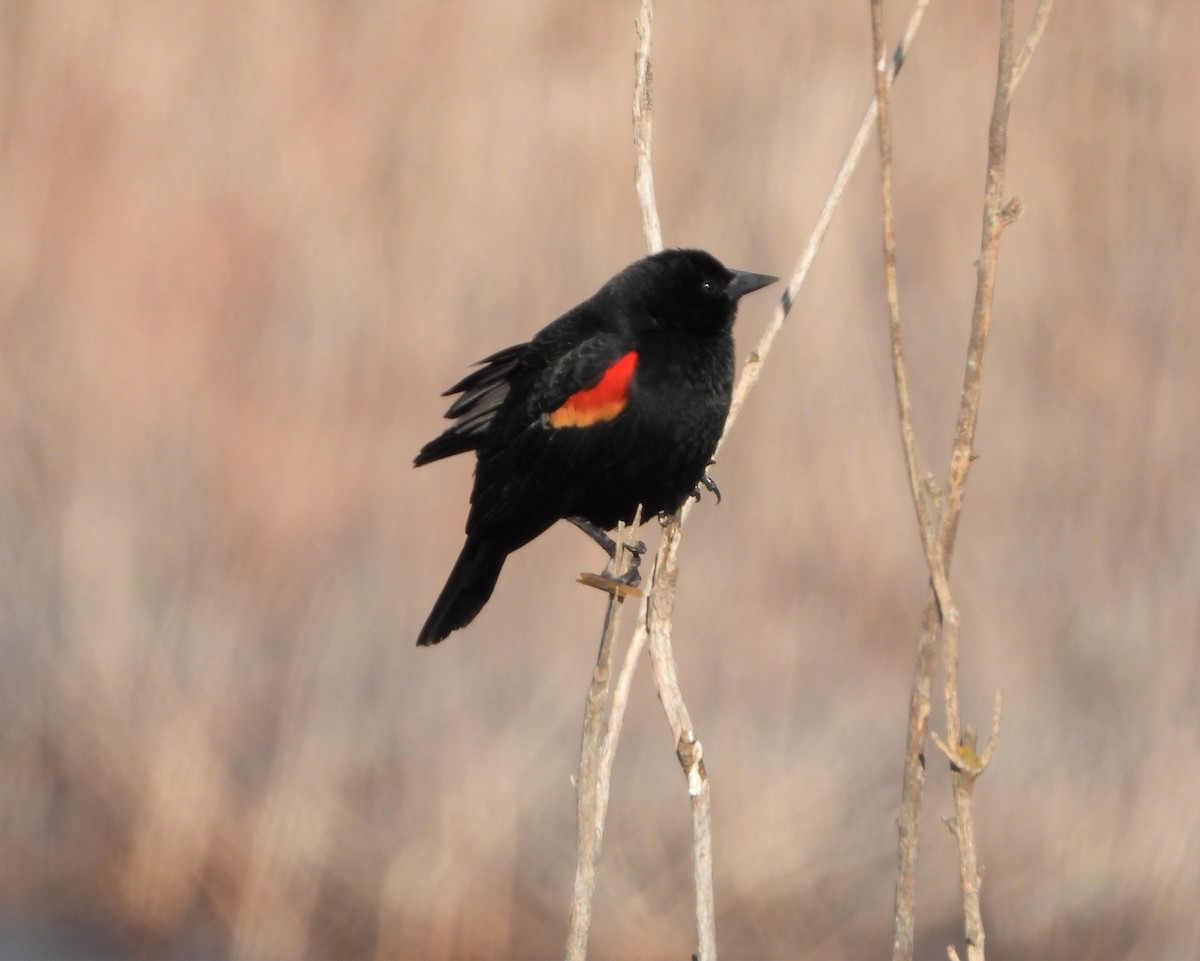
966 760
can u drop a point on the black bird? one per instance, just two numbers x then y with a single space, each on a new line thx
619 402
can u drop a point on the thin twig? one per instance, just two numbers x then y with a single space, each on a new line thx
908 824
753 366
592 781
661 597
643 108
912 793
960 749
899 369
688 747
1033 36
996 217
939 607
591 832
620 700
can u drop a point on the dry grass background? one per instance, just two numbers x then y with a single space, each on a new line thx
242 248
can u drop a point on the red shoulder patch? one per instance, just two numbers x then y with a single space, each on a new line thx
600 403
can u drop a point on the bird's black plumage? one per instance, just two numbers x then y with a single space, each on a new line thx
619 402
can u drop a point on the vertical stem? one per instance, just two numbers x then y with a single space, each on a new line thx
912 792
940 611
591 782
995 218
643 105
688 747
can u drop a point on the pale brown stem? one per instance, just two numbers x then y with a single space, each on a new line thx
753 366
688 747
643 109
592 781
938 545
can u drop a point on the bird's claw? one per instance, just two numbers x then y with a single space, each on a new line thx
632 577
636 549
709 485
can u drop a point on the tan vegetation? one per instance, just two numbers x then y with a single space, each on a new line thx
243 248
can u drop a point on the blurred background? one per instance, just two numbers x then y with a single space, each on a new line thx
243 247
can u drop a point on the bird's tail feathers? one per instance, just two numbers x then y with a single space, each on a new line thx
467 589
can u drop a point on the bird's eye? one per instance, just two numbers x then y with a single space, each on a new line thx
709 286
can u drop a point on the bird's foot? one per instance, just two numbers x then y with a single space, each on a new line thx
625 584
631 577
637 548
709 485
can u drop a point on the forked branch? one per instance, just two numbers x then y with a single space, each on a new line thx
938 534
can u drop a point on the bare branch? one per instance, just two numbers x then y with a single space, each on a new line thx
753 366
1033 36
908 824
591 831
642 112
996 216
592 781
899 369
661 598
661 603
985 758
938 545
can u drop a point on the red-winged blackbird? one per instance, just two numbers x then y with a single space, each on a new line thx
619 402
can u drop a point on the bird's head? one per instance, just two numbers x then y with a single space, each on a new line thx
687 290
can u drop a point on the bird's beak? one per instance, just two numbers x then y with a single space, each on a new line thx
745 282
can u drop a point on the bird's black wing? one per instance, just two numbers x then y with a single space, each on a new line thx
525 463
482 393
580 368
